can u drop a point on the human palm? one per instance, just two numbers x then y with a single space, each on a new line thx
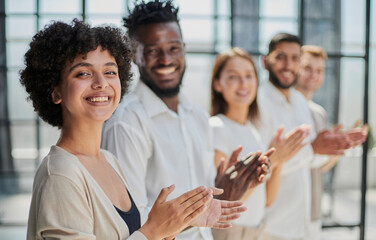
219 213
210 216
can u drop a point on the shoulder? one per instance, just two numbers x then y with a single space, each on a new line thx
216 122
298 95
299 100
199 111
316 108
61 165
60 162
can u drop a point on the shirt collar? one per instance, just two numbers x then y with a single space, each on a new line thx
154 105
277 96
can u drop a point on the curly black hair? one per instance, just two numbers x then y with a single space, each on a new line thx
59 42
157 11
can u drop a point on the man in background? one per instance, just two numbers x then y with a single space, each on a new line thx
311 78
281 104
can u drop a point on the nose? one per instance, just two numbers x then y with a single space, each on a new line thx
244 81
289 63
99 82
164 58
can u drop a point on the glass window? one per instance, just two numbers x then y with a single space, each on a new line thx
108 6
195 7
224 7
353 16
23 140
48 136
20 6
59 7
16 52
198 33
18 106
352 91
224 30
14 31
196 83
278 8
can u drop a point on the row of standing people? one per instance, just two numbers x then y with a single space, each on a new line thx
160 138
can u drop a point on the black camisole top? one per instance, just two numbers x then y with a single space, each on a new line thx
131 218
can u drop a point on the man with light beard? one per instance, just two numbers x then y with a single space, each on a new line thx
311 78
280 104
168 138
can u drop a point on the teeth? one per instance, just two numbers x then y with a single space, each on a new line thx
165 71
242 93
98 99
286 74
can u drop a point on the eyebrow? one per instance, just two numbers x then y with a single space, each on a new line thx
171 42
236 71
84 64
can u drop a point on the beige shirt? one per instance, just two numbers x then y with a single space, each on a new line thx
67 202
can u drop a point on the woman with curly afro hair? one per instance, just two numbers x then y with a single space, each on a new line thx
75 76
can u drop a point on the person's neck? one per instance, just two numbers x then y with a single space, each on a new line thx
81 139
172 103
307 93
285 92
238 114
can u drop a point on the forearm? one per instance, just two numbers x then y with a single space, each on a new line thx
272 185
330 164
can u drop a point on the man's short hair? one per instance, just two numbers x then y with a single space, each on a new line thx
315 51
157 11
282 37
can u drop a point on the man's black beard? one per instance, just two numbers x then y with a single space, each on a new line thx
275 81
162 93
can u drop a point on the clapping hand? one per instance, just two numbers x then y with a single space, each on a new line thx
238 176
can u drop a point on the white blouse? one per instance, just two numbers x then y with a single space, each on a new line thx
229 134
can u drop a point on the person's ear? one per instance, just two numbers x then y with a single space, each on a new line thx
217 86
56 96
265 61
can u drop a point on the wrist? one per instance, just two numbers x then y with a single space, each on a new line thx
150 231
274 163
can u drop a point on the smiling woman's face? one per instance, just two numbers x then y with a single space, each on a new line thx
237 82
90 87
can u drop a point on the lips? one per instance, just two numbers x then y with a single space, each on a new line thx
242 93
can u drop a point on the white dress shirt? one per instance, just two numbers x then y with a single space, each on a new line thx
157 147
289 215
229 134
